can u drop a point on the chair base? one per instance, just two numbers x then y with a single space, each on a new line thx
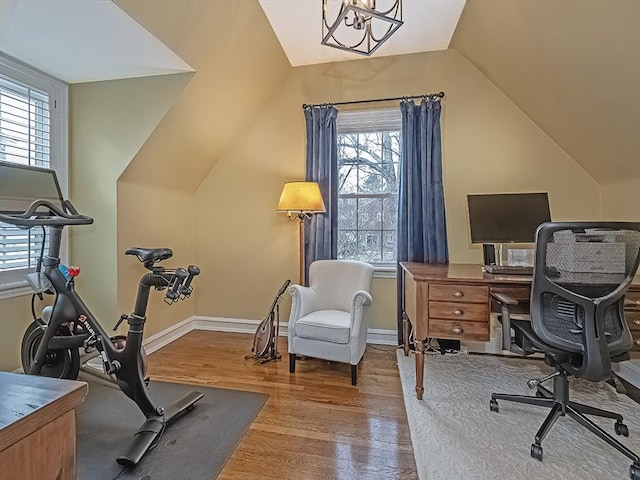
559 404
354 369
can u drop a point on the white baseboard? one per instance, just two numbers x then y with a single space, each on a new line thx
168 335
375 336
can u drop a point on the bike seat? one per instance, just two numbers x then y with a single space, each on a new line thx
150 255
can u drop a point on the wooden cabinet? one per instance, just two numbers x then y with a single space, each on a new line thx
38 427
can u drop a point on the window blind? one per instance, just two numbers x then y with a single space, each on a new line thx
369 121
25 139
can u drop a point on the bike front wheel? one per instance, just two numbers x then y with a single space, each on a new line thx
59 363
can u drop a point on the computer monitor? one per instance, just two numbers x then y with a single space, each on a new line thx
507 217
20 185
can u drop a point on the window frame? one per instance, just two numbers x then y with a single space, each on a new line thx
372 121
13 283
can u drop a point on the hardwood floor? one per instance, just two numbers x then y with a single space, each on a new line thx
315 425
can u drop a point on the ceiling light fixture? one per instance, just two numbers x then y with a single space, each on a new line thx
359 27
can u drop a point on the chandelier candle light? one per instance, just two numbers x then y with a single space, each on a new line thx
359 27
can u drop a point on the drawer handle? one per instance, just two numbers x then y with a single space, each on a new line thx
637 342
457 312
458 294
636 321
458 331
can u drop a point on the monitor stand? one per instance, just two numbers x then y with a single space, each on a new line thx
492 254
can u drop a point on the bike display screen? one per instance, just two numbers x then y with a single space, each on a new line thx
21 185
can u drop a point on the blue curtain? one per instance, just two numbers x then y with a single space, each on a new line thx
422 228
321 233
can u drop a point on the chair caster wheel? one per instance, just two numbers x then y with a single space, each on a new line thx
536 452
621 429
533 383
493 405
634 472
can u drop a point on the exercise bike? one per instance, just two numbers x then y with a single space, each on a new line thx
51 344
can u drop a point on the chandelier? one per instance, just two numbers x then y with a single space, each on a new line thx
359 27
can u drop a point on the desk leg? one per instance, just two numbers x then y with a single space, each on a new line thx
419 368
405 333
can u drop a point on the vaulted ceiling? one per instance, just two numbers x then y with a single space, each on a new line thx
572 66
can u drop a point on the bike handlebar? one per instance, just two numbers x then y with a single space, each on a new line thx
60 218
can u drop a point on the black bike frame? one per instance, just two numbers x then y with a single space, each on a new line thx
69 307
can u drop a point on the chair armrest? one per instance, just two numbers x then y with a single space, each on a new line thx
361 299
506 301
303 302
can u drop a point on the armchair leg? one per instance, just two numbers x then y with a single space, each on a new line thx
292 363
354 375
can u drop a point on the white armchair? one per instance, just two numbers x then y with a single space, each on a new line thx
329 318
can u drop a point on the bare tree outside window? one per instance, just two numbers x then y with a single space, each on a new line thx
368 178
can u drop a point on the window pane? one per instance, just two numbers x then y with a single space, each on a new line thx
347 179
390 212
347 245
389 248
347 213
390 174
369 246
370 179
370 214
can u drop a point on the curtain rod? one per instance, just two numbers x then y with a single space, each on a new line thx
427 95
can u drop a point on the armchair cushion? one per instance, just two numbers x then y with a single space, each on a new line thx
327 325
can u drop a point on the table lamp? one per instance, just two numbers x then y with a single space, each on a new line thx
300 200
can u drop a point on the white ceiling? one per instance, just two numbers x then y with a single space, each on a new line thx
82 40
428 26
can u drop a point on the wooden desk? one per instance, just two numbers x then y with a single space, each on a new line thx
38 427
452 301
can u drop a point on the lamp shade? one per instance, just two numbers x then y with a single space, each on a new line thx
303 197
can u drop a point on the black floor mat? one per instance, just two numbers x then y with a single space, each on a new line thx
194 446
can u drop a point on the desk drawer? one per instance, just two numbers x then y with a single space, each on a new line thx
633 320
632 299
459 330
635 351
459 293
472 312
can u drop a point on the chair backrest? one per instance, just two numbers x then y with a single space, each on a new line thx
581 274
335 282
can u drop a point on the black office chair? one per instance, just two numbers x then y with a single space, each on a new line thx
581 274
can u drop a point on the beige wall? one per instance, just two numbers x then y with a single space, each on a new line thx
571 66
153 217
16 316
246 250
621 200
109 123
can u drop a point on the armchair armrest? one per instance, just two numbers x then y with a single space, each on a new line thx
361 299
303 301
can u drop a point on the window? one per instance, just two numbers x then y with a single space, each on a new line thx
368 180
32 132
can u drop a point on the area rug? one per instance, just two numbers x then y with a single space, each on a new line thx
195 446
456 437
